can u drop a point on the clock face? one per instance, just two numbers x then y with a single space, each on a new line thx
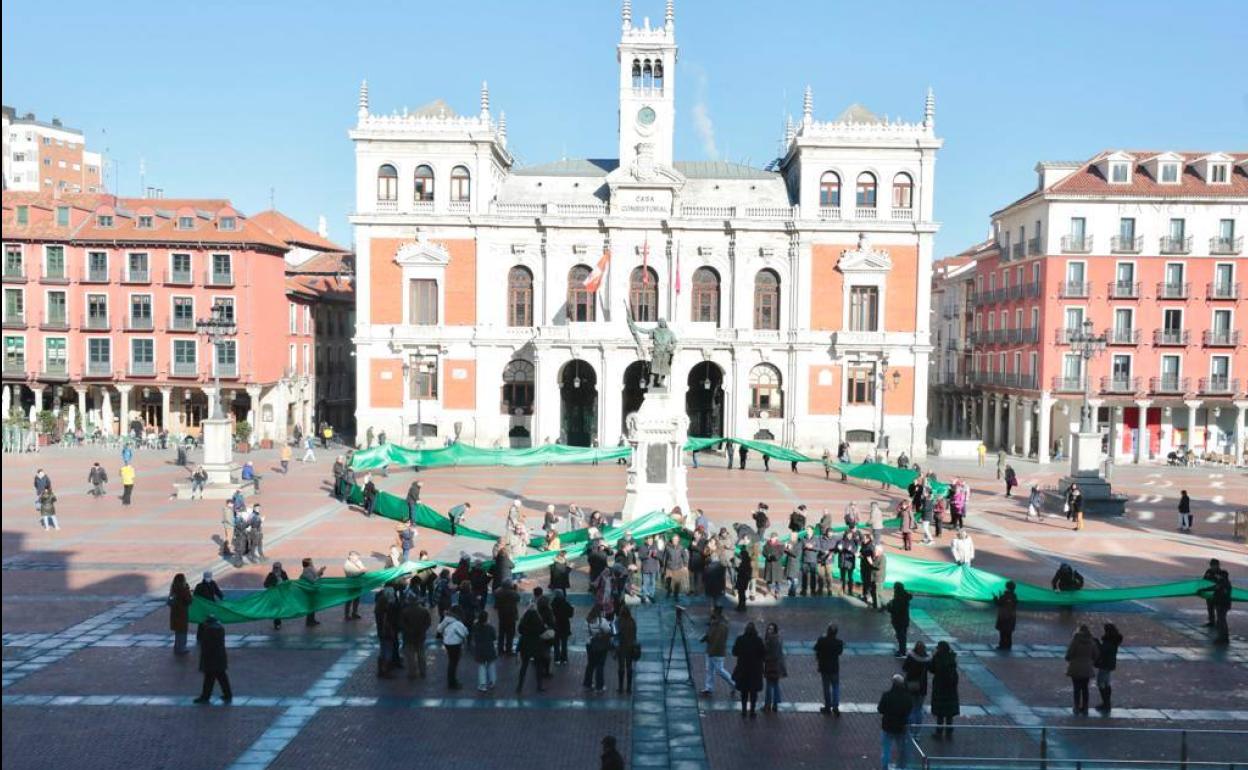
645 116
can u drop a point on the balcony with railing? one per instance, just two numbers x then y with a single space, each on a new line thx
903 215
1076 244
179 278
184 369
864 213
181 324
826 213
1220 338
98 369
1033 246
1064 384
227 370
54 323
1064 336
54 370
387 205
1168 384
1171 244
1170 337
96 275
142 369
96 322
57 277
15 273
1124 289
1073 289
215 278
459 207
1219 245
1123 244
14 367
1167 290
1117 336
139 323
15 320
1117 384
1018 251
133 275
1219 386
1222 290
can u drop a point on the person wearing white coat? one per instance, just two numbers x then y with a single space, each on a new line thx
963 548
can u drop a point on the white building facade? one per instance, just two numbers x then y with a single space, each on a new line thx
800 295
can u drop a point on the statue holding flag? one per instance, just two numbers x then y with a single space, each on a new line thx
662 350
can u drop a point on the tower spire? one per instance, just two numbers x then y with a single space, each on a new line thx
363 106
502 128
789 131
929 109
627 14
808 107
485 100
669 20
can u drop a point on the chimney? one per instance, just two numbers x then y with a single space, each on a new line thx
56 122
322 227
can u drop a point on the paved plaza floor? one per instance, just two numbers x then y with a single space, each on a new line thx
90 681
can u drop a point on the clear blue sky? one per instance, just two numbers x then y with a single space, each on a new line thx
231 99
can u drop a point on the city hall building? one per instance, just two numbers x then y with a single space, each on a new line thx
492 298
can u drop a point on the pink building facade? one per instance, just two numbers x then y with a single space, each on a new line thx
1148 248
101 300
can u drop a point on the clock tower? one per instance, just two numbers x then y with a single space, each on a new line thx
647 58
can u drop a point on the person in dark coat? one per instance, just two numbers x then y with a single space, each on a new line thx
563 612
1081 657
899 614
212 660
387 630
747 674
1220 594
1213 574
945 707
208 588
846 558
915 668
743 452
532 646
1007 615
414 622
867 574
792 563
745 578
774 667
276 577
1106 662
773 564
627 650
1011 480
894 709
715 580
507 605
1185 512
828 651
761 522
413 500
180 598
1067 578
611 758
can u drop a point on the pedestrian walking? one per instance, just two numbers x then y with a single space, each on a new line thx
210 637
485 651
311 575
945 706
828 651
285 458
1081 655
1106 662
747 674
179 601
899 615
915 669
413 500
627 648
353 567
1185 512
716 640
47 508
742 453
774 667
963 548
97 477
127 483
894 708
453 633
309 450
1035 504
1007 615
599 632
1011 480
1000 463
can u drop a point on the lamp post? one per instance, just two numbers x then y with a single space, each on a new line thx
415 364
1087 345
215 329
885 386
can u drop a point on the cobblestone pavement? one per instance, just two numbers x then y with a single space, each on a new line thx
86 641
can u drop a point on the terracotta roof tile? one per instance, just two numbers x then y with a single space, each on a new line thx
1089 180
291 232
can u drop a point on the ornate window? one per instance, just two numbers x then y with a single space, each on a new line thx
903 191
866 190
643 294
647 75
830 189
461 184
636 73
581 305
658 75
424 183
423 306
518 388
861 381
519 297
767 300
387 183
766 394
706 296
864 308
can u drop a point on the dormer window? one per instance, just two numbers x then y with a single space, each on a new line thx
186 223
145 222
227 223
1219 173
1169 173
1119 172
104 220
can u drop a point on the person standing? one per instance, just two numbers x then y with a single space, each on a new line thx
1213 574
867 574
810 564
127 483
744 577
877 522
507 607
1185 512
747 674
1011 480
963 548
97 477
1035 504
387 630
675 567
792 564
774 668
1081 655
413 500
1007 615
207 588
47 508
715 579
484 649
627 648
611 758
1000 463
1074 506
311 575
597 647
716 640
945 706
180 598
1106 662
828 651
563 612
276 577
899 615
368 438
915 668
42 481
561 573
353 567
212 660
906 524
1220 595
453 633
743 453
894 708
982 452
773 567
255 532
846 557
285 458
414 622
532 646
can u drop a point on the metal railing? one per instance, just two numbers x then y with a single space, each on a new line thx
213 278
1222 290
99 369
1220 338
1171 244
1065 336
1169 384
181 324
55 324
15 368
1122 336
1033 289
1170 337
1076 244
1120 384
139 323
1219 385
185 369
137 276
15 320
1073 289
142 369
1124 289
1069 384
1218 245
1122 244
179 278
1018 251
1167 290
58 278
55 369
1033 245
15 274
96 275
227 370
95 322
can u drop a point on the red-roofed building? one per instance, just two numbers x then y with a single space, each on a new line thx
101 299
1147 248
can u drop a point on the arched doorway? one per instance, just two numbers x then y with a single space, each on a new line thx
636 382
578 414
704 400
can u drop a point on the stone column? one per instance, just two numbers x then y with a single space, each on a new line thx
125 408
1117 416
1238 434
6 402
82 406
1192 407
1141 437
166 404
253 412
106 410
1010 436
984 426
540 386
1026 406
1045 422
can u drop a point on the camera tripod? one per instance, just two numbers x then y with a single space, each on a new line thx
678 630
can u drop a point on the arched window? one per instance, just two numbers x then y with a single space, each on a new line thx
903 191
643 293
766 300
461 184
424 183
580 299
866 190
387 183
517 388
830 189
636 73
706 296
658 75
766 394
519 296
647 75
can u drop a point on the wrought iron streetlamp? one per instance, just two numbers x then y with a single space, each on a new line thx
217 328
887 382
1087 345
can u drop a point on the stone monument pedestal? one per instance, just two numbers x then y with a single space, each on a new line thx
218 439
657 477
1085 470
